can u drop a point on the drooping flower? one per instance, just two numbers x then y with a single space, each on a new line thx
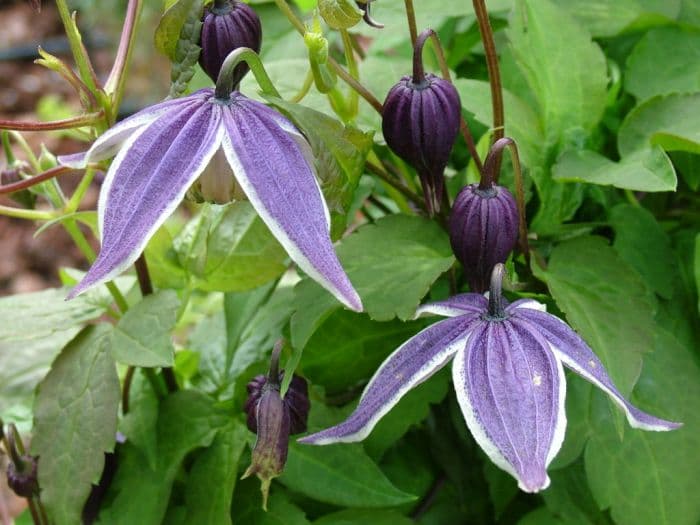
224 142
507 373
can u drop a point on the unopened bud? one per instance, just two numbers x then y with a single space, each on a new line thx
483 231
22 477
420 123
228 25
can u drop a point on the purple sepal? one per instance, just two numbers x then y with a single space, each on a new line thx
296 401
483 230
281 185
411 364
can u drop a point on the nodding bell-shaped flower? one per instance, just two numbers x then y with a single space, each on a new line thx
508 375
274 419
420 123
212 136
228 25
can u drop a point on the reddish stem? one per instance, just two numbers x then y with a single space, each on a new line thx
67 123
37 179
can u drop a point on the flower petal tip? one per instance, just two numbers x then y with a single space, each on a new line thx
74 160
534 484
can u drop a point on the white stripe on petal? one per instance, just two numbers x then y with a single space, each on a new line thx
560 423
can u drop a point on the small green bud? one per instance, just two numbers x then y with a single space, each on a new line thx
317 46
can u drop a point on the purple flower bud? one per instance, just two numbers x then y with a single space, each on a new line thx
483 231
228 25
274 419
296 400
420 123
22 477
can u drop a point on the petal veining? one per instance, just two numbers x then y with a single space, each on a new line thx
281 186
465 303
411 364
511 391
147 180
573 351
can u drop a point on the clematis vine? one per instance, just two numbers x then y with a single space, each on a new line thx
507 374
230 145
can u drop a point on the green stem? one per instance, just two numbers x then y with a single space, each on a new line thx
411 17
352 69
31 158
379 172
308 82
81 242
224 84
347 78
79 192
32 215
82 61
629 194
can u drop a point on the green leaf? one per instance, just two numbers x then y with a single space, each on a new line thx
187 48
363 517
171 24
142 337
570 498
413 408
696 266
228 248
522 123
140 422
540 516
211 480
35 327
545 39
340 474
668 121
340 152
75 423
163 263
605 301
648 169
645 477
392 265
139 494
652 70
604 18
347 348
644 245
578 424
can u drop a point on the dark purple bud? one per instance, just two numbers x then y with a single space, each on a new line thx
228 25
296 401
420 124
274 419
22 477
483 231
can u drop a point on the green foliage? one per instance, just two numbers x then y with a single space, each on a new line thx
75 422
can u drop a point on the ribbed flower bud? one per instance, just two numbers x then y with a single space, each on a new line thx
228 25
274 419
420 124
483 231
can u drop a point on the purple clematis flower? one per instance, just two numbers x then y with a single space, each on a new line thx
162 150
507 373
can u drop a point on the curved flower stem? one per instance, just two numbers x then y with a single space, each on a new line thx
411 17
67 123
82 61
495 298
31 158
32 215
224 83
347 78
77 197
352 69
490 177
394 183
482 16
114 87
37 179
